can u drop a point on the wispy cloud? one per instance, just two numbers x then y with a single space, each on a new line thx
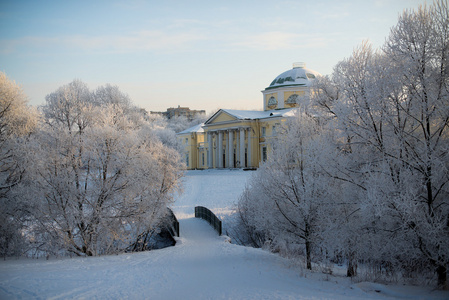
9 46
140 41
178 35
146 40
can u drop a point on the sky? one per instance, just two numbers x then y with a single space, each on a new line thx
198 54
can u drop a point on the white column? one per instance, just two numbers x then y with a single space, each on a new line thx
220 149
231 149
242 147
210 151
248 136
217 161
236 148
226 150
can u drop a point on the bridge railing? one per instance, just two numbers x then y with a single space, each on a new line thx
205 214
173 223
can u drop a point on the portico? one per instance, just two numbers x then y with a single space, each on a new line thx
229 148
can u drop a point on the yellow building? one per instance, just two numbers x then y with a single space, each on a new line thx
243 138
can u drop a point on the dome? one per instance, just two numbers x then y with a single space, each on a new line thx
298 76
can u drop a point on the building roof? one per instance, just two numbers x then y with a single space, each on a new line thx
196 128
254 114
298 76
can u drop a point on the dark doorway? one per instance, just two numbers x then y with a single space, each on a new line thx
246 158
224 159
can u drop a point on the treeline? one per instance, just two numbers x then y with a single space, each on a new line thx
361 177
88 173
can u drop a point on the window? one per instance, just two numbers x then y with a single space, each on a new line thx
272 101
202 158
264 131
187 141
292 99
310 76
187 159
274 130
264 153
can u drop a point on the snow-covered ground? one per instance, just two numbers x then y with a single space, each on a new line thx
218 190
201 266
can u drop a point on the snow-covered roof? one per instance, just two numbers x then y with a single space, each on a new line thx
255 114
196 128
298 76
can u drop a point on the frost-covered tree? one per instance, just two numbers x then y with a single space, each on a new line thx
418 51
16 117
122 113
17 120
178 124
100 184
111 95
118 190
70 106
392 108
289 201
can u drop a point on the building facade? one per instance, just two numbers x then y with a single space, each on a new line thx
244 138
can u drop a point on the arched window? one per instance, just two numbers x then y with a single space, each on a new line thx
272 101
293 99
310 76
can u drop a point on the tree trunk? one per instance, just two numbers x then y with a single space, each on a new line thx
308 246
352 266
352 269
308 255
442 277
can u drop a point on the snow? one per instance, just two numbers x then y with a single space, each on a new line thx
255 114
196 128
218 190
202 265
298 74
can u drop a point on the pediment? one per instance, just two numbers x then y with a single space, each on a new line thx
221 117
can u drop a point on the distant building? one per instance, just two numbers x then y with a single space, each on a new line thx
179 112
243 138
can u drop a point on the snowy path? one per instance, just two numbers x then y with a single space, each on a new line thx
202 265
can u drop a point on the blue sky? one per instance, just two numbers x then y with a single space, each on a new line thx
200 54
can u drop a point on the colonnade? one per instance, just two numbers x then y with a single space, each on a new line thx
227 148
